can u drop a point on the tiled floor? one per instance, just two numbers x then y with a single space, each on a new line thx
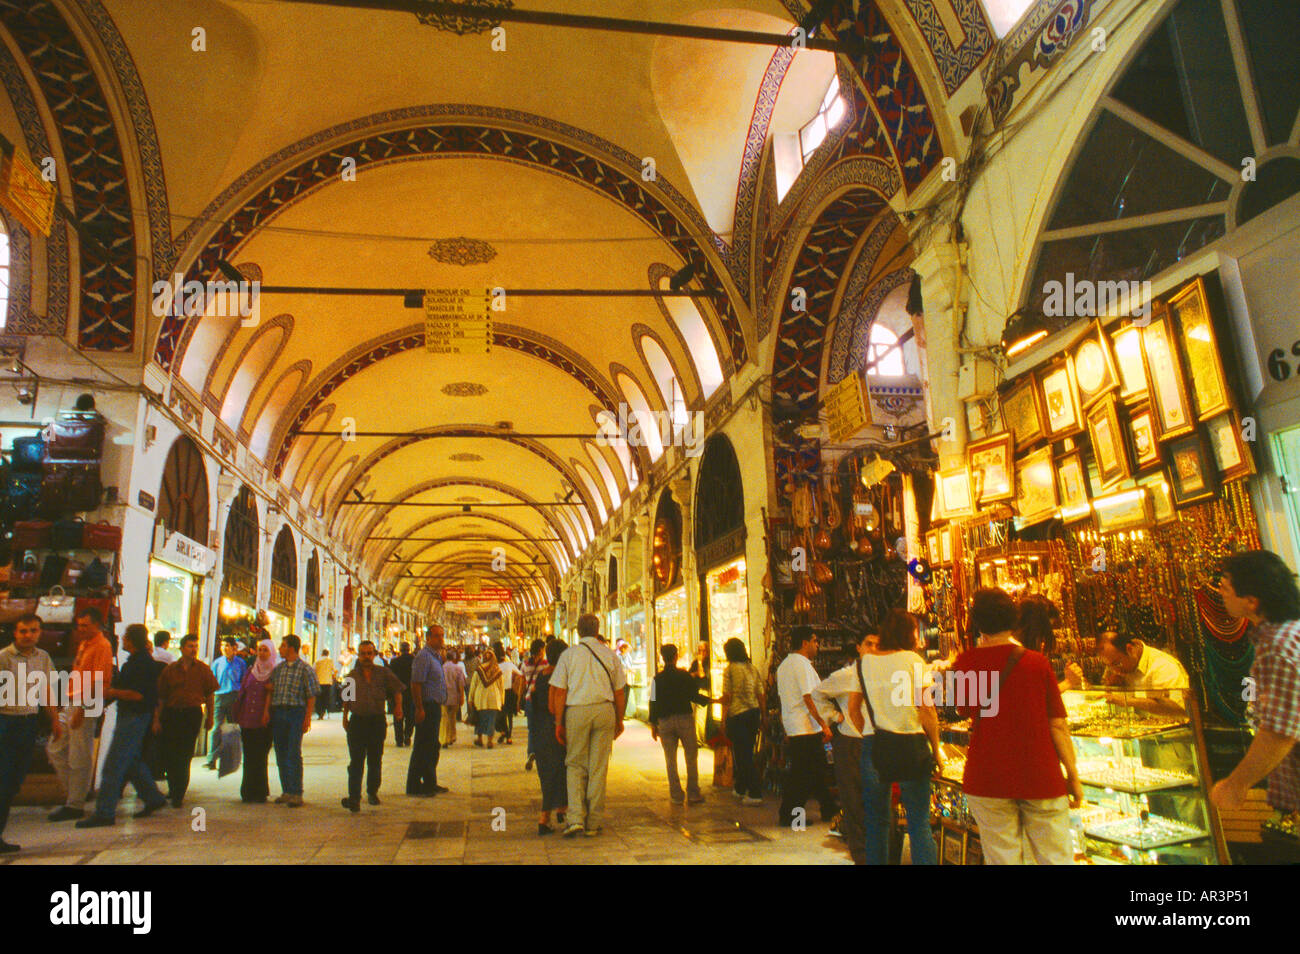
641 825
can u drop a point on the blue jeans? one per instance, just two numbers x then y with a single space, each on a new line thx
17 743
915 796
286 735
125 762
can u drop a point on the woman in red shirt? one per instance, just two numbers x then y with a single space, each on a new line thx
1019 741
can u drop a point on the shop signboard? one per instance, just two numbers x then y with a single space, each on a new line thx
457 321
179 550
485 594
846 409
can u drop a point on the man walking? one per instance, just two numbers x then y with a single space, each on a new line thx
229 671
453 674
365 692
429 694
72 751
325 679
586 696
186 689
289 705
403 710
672 720
805 729
135 690
19 717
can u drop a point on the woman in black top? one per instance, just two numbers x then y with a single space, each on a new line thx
548 751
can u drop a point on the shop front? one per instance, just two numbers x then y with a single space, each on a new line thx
719 553
180 562
639 664
284 592
311 633
239 566
672 623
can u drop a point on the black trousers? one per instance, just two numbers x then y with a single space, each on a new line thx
742 729
506 720
403 727
180 730
366 734
257 748
808 777
422 776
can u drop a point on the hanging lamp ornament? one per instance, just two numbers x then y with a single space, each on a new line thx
462 23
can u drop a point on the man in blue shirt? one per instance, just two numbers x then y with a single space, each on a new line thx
429 693
135 690
230 671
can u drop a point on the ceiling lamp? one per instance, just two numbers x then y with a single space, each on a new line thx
1023 331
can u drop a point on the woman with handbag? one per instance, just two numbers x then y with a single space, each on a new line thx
254 727
487 691
900 738
1019 739
742 703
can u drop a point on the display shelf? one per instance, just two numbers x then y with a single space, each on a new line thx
1146 832
1130 776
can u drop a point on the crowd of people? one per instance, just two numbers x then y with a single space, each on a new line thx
872 719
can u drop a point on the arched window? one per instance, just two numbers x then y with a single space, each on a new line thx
639 411
884 357
183 494
791 153
240 548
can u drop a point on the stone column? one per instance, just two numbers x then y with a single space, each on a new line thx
944 292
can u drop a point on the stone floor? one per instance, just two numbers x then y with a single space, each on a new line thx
641 827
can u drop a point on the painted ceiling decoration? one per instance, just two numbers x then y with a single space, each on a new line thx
538 147
463 389
462 251
462 24
95 167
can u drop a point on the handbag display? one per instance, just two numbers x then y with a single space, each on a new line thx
32 534
28 454
102 536
105 605
52 570
57 607
95 575
897 756
75 436
23 493
67 534
72 573
70 487
11 609
22 577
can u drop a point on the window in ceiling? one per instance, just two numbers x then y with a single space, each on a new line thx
670 388
791 153
639 411
1152 182
883 351
1004 14
606 474
699 343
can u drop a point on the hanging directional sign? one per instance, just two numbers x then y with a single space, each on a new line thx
846 409
457 321
26 193
486 594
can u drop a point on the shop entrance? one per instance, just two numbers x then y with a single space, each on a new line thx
1286 453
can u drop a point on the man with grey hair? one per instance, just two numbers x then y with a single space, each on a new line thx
586 697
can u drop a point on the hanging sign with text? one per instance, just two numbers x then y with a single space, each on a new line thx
488 594
846 409
457 321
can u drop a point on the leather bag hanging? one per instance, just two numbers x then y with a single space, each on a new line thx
28 453
102 536
32 534
57 607
52 569
75 437
95 575
12 609
68 533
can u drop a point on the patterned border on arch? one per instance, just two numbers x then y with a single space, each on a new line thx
100 188
455 136
21 320
957 63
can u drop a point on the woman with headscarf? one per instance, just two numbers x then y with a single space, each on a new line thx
488 693
254 728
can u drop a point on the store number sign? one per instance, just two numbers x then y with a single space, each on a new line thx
1280 367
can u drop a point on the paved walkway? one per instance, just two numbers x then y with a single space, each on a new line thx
641 827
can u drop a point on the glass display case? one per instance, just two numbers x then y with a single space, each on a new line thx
1140 758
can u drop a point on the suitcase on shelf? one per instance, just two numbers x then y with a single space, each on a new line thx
68 533
32 534
28 454
24 494
102 536
75 436
70 487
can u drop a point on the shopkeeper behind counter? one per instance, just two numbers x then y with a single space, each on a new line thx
1160 678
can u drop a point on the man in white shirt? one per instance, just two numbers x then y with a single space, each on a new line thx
161 640
805 728
586 698
24 696
832 700
1157 682
511 676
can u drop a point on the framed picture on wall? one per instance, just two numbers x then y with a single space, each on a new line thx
1022 413
1108 448
1142 433
989 463
1094 368
945 546
955 498
1191 471
1165 377
1060 402
932 547
1036 487
1131 365
1231 455
1162 501
1123 511
1072 484
1209 387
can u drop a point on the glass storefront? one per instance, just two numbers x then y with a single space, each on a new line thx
728 601
234 618
639 671
673 625
170 600
280 626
